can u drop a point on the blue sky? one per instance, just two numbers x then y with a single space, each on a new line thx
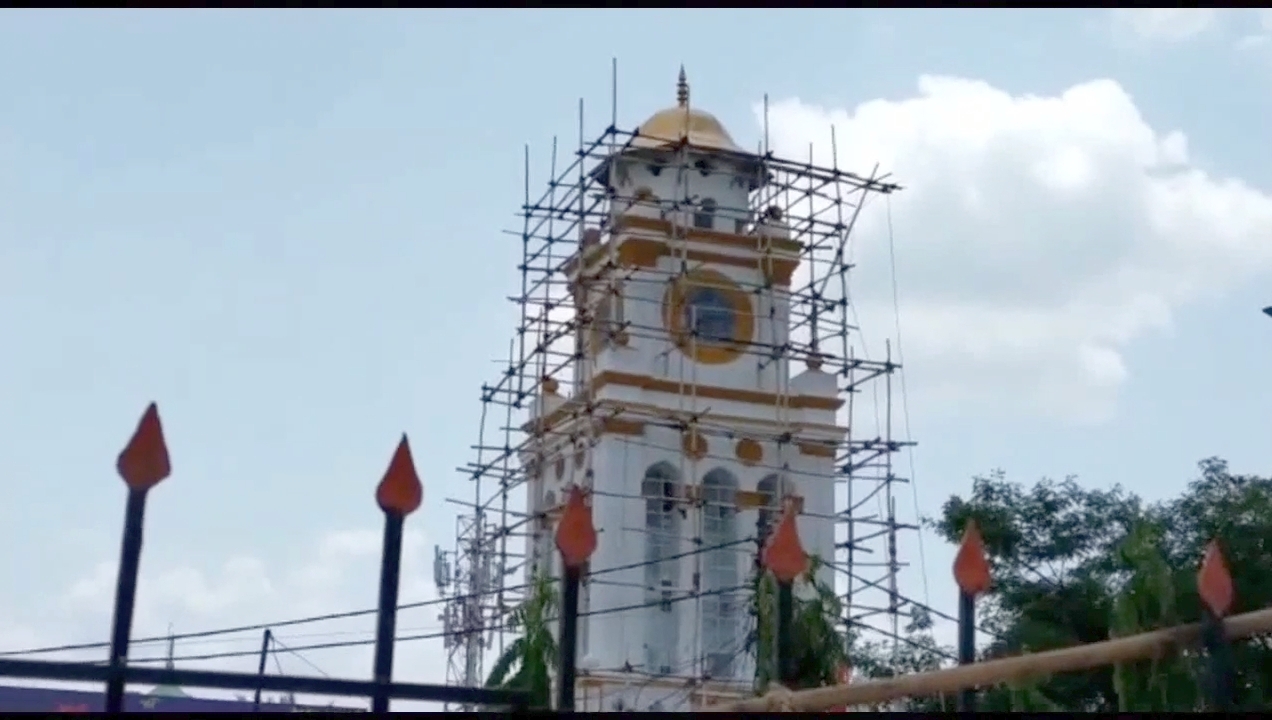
286 229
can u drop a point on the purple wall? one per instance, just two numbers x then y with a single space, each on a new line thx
19 699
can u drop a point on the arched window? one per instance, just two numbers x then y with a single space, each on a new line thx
775 489
704 216
721 606
660 489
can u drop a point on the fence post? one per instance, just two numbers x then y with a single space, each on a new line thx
260 669
971 572
1214 585
399 494
576 541
784 556
142 464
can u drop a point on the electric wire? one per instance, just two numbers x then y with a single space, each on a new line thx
436 635
206 635
340 615
905 402
442 634
299 656
688 596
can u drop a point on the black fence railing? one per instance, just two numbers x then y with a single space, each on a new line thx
510 700
143 464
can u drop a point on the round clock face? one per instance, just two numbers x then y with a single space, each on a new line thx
709 314
709 317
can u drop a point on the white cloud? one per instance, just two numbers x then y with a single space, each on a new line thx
1167 25
1036 239
1256 38
338 573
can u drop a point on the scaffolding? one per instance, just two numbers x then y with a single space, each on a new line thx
561 324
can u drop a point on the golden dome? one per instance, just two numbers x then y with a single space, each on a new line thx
668 127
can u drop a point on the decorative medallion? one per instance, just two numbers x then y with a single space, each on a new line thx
749 452
694 444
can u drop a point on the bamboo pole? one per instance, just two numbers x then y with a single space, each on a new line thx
996 672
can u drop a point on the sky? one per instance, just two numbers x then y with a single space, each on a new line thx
288 231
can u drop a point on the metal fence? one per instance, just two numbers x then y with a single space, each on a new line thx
143 464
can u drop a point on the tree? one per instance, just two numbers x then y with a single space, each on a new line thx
1077 565
534 654
914 651
820 647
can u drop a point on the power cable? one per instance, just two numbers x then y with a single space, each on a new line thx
905 401
302 658
441 634
343 615
505 626
509 626
690 682
432 636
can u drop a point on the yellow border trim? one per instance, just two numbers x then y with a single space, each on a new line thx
745 241
777 258
708 352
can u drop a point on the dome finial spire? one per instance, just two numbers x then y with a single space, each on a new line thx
682 89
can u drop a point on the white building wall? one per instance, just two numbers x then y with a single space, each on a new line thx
615 638
650 350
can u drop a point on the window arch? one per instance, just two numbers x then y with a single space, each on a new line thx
660 488
721 612
774 488
704 216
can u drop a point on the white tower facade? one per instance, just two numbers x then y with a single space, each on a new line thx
685 417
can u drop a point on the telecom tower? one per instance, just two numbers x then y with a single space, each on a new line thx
686 350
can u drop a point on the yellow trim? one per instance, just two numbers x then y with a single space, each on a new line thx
708 392
743 241
644 252
636 428
708 352
749 452
817 449
711 419
614 426
750 499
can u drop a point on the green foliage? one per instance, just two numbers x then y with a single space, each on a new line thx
1077 565
533 654
1146 601
819 645
915 651
1071 565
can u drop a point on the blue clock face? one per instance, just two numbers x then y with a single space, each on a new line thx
709 315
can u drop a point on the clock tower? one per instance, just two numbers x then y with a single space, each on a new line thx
687 416
685 350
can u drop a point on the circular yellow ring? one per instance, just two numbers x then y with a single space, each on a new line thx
705 351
